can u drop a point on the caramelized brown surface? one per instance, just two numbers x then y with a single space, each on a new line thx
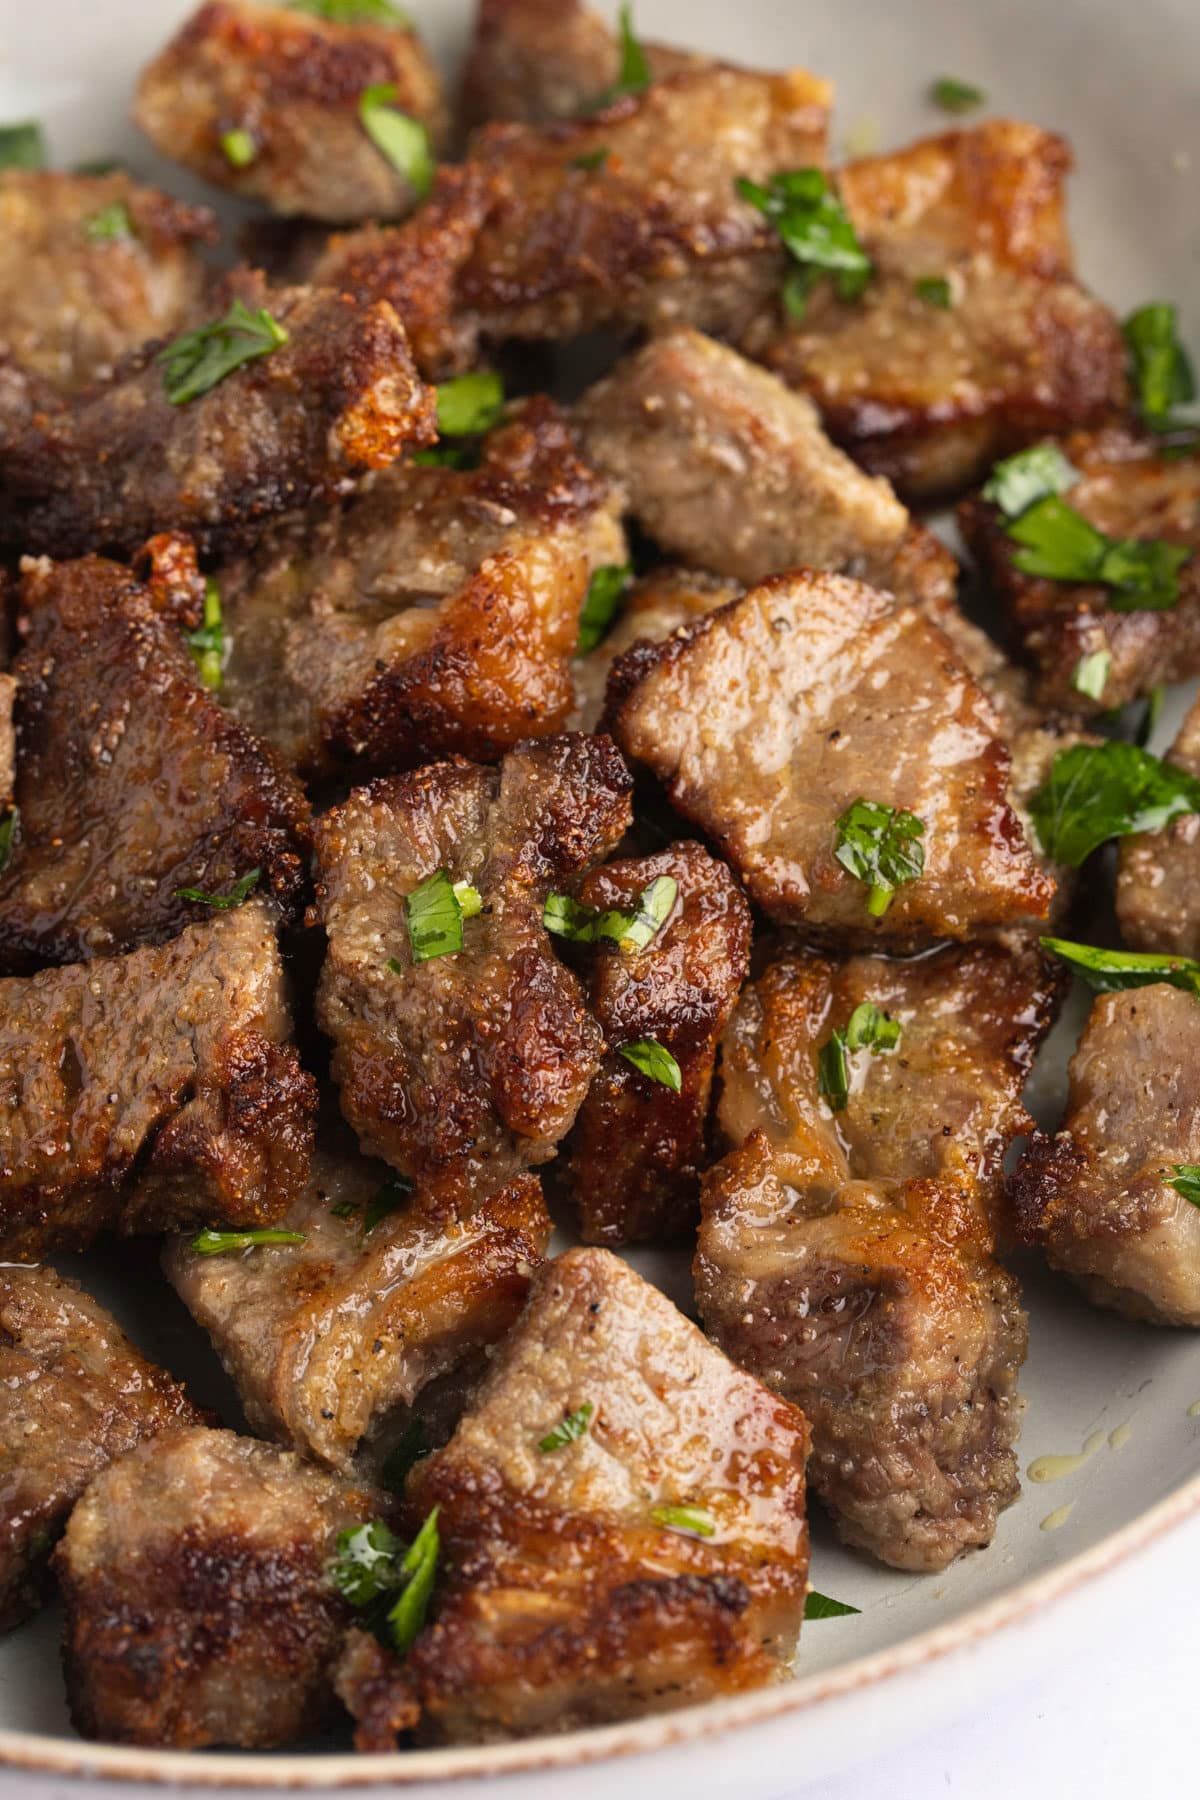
1158 872
563 1603
293 81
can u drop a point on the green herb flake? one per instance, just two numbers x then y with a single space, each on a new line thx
207 642
1096 792
22 146
435 919
200 359
1091 673
833 1072
954 96
1186 1181
1059 544
605 594
817 232
355 12
364 1567
868 1028
881 846
222 1243
934 290
593 160
1038 473
693 1519
1154 705
403 140
238 147
572 1428
389 1581
412 1447
223 902
635 73
654 1060
391 1195
470 404
100 165
569 918
1161 370
8 830
1113 971
820 1606
111 224
417 1572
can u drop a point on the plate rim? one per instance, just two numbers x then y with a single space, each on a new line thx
38 1754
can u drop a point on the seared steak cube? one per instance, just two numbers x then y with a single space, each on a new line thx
622 1521
1099 1195
90 267
74 1394
151 1091
341 1344
105 469
433 613
654 231
133 782
1127 489
462 1069
638 1148
200 1608
266 101
1158 874
927 394
771 719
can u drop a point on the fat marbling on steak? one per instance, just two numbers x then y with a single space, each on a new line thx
568 1596
152 1091
74 1394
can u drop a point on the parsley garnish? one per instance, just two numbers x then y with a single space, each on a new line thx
1058 544
573 1427
220 1243
954 96
1091 673
1095 792
606 590
817 233
110 224
1031 475
207 642
1150 718
412 1447
377 1574
685 1518
223 902
355 12
1160 367
100 165
403 140
1112 971
471 404
820 1606
581 924
238 147
1186 1181
635 74
868 1028
8 827
436 909
594 159
934 290
881 846
198 360
22 146
391 1195
654 1060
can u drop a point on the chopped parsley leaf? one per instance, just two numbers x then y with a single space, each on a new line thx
935 291
1091 673
207 642
881 846
223 902
1095 792
111 224
654 1060
685 1518
238 147
195 363
820 1606
606 590
954 96
581 924
816 231
1038 473
403 140
1113 971
221 1243
1186 1181
573 1427
1161 369
22 146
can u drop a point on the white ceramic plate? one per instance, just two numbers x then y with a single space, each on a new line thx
1122 82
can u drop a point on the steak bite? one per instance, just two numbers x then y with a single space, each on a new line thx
74 1394
536 60
133 783
200 1608
153 1091
268 102
1158 872
462 1069
1098 1197
638 1148
769 720
655 232
573 1591
1128 487
109 467
91 266
931 394
434 612
370 1326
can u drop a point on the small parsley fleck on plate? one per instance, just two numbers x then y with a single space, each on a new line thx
654 1060
390 1582
573 1427
606 590
194 363
403 140
685 1518
111 224
868 1028
435 911
816 231
355 12
238 147
1038 473
223 902
935 291
470 404
22 146
221 1243
1112 971
635 73
1091 673
1163 377
881 846
955 96
1186 1181
820 1606
580 924
207 642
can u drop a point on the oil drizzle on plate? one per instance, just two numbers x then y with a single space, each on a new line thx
1058 1517
1193 1411
1053 1468
1120 1436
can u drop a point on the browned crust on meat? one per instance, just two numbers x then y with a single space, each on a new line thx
293 82
1158 872
638 1149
